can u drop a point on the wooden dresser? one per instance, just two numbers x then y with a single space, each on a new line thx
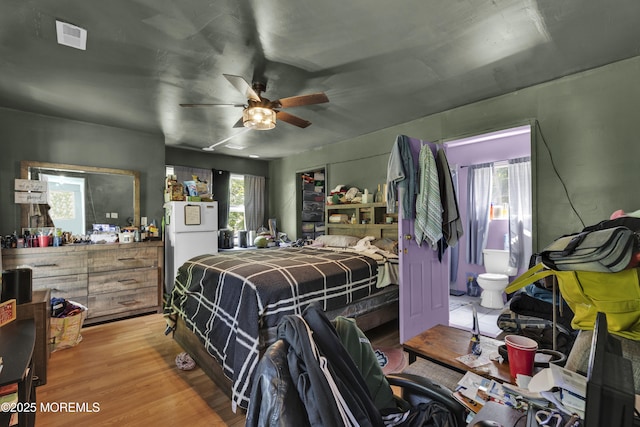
112 280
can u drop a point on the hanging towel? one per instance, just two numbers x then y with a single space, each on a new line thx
395 174
428 224
451 221
401 172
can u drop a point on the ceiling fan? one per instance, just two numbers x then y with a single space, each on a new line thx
260 113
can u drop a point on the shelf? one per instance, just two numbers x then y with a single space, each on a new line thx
393 226
356 205
375 215
312 215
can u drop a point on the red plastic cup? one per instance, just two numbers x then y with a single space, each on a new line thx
521 352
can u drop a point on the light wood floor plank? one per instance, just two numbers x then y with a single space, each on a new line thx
128 368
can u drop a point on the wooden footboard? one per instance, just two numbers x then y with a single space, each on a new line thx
377 317
192 345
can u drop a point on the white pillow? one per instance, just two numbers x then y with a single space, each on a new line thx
364 242
337 240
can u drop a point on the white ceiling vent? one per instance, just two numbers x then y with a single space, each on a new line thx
70 35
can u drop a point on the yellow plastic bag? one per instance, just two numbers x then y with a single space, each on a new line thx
586 292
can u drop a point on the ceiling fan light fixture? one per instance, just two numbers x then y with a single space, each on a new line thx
259 118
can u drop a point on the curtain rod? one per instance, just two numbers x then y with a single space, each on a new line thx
497 161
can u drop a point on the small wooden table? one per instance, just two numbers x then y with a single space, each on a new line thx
17 340
443 344
39 309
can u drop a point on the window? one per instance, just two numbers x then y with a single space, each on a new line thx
500 191
236 202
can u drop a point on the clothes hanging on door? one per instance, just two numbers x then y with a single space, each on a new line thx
428 223
401 172
450 226
452 229
427 193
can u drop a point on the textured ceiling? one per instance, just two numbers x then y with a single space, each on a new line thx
381 63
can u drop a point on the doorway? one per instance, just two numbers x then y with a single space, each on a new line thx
498 149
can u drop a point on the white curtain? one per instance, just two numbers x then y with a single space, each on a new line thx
479 183
254 199
520 222
454 251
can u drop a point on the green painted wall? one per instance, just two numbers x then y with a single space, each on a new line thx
204 160
26 136
589 122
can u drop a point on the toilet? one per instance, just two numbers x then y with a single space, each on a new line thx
496 279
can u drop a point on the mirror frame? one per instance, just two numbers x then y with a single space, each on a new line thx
25 166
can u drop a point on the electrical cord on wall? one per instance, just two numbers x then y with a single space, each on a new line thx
566 192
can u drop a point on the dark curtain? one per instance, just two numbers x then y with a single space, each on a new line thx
220 190
253 201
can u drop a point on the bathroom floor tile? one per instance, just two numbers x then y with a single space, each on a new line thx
461 315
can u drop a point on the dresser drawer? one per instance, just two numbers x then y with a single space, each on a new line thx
49 264
72 287
124 280
124 301
113 260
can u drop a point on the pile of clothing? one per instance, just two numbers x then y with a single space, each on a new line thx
60 307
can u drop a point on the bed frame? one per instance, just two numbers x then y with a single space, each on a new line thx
192 345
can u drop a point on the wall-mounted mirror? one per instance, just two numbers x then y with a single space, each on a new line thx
80 196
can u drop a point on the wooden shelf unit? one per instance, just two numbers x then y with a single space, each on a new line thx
374 216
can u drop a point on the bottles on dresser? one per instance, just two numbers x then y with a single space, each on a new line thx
379 196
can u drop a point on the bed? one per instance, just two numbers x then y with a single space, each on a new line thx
225 307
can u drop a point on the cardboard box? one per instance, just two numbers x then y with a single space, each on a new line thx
7 312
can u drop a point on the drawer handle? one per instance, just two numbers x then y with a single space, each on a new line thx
129 302
127 280
46 265
126 259
59 290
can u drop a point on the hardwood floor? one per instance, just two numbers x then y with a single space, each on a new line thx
127 368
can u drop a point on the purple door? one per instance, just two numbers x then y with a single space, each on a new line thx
424 281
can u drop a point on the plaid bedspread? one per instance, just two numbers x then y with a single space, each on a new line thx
225 299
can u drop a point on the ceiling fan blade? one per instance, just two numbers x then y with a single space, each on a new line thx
244 87
298 101
212 105
291 119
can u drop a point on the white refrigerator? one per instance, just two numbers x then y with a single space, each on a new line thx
191 229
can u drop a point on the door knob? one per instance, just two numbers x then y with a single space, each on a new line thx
407 236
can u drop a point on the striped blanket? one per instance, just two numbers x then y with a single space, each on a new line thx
227 298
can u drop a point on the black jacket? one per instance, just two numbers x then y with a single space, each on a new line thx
346 401
290 387
274 398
